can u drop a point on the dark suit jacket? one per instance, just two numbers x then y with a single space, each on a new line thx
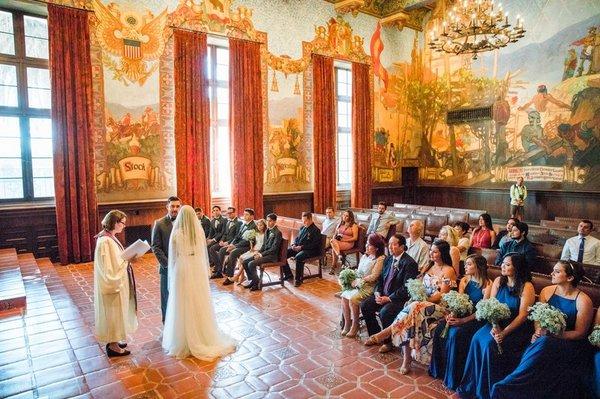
407 269
522 247
229 232
309 238
161 232
205 222
217 229
239 240
272 243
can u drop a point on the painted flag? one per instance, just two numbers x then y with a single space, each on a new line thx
133 49
376 50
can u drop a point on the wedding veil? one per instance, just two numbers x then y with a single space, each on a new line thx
190 240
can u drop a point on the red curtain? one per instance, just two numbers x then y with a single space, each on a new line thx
74 183
246 124
324 133
362 131
192 119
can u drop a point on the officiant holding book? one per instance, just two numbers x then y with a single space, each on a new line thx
115 301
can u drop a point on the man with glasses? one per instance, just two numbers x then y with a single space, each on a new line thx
161 233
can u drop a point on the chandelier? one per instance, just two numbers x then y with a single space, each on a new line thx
475 26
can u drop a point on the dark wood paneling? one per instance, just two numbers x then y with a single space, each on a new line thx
31 229
140 217
539 204
388 194
291 204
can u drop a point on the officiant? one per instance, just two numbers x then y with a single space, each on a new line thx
115 301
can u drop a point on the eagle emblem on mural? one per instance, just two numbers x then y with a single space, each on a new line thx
130 42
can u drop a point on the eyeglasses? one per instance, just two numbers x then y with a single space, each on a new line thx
123 223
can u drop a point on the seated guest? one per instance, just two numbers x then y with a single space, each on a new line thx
217 227
306 245
390 291
449 235
217 252
449 355
485 365
239 245
416 247
461 229
329 224
483 235
368 272
414 326
268 252
255 246
550 360
504 235
518 243
204 221
345 237
583 248
381 221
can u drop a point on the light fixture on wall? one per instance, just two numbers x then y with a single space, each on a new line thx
274 84
475 26
297 87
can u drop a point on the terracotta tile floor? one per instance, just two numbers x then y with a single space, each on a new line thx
289 346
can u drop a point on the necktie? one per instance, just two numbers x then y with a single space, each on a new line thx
390 277
580 253
376 224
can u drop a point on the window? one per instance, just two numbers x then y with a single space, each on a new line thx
218 77
26 170
343 91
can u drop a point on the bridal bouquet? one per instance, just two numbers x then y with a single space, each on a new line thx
346 277
548 318
459 305
595 336
492 311
416 290
249 235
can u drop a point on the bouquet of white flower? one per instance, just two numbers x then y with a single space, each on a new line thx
492 311
459 305
416 290
595 336
249 235
346 277
548 318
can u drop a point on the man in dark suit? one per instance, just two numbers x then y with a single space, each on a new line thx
238 246
204 221
231 229
217 227
390 292
161 232
269 252
306 245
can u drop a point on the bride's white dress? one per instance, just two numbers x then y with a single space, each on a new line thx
190 324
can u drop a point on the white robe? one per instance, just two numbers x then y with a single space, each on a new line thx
114 307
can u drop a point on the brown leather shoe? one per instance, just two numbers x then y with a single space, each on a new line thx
385 348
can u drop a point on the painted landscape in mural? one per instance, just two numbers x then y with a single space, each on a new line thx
545 99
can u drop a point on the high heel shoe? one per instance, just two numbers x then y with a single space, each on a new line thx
352 333
112 353
404 370
372 340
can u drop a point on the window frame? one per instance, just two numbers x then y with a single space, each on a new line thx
347 68
22 111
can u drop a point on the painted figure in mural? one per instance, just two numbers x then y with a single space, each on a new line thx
590 52
500 115
532 133
149 122
570 64
541 100
392 158
584 138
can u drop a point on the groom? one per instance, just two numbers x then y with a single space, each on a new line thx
161 233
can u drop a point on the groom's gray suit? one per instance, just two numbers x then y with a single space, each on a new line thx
161 233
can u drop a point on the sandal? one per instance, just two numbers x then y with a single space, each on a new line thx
372 340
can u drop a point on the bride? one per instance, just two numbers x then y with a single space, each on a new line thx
190 324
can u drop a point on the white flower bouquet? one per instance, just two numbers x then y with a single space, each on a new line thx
459 305
595 336
346 277
416 290
249 235
548 318
492 311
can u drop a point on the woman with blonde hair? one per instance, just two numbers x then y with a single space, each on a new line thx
261 227
448 234
115 303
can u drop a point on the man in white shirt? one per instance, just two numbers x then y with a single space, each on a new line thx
416 247
330 223
381 221
583 248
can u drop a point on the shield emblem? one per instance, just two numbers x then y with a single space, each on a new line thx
132 49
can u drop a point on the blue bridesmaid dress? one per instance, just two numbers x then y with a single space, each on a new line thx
596 375
485 366
550 367
449 354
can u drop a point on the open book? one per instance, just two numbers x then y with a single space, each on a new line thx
136 249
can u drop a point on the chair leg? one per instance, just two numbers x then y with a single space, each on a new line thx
321 268
281 280
260 278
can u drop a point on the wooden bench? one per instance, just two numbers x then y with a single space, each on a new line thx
319 259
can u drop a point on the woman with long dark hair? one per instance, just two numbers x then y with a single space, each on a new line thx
483 235
345 236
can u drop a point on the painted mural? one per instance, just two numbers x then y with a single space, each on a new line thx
545 97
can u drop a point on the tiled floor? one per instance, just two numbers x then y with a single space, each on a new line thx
289 346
